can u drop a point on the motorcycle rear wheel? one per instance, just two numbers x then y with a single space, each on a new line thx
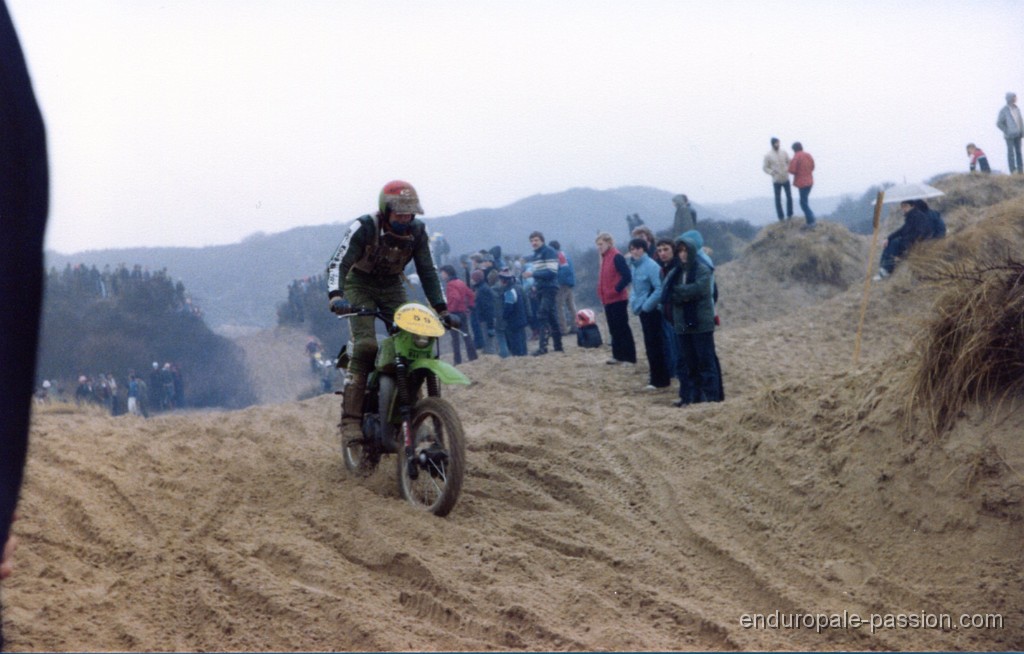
439 458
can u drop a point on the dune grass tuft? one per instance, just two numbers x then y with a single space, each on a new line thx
972 349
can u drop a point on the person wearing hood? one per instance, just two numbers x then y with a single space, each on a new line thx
702 254
1012 126
916 227
693 316
644 304
685 218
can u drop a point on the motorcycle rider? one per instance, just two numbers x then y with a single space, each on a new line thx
366 273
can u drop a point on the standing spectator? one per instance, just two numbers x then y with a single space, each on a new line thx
776 164
802 168
513 308
545 277
693 315
483 310
115 399
565 302
1012 125
156 387
666 257
644 303
179 386
484 265
460 301
978 158
644 232
702 254
527 282
83 392
612 289
685 218
167 381
143 396
633 221
498 292
24 203
314 350
133 395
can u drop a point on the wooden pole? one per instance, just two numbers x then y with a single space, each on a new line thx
867 277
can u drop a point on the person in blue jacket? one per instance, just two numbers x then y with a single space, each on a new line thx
545 276
565 301
513 313
644 303
916 227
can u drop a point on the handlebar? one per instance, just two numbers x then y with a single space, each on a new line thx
356 311
450 321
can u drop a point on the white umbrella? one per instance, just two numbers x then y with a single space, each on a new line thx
902 192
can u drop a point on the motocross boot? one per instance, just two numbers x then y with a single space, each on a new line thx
352 406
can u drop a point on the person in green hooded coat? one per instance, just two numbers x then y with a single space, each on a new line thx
689 291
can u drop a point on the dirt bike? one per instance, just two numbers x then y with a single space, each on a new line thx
403 413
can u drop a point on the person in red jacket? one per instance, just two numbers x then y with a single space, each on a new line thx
461 300
613 291
801 168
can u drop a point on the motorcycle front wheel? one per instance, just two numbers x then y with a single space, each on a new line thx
431 478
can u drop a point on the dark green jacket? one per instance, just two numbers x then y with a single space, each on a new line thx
373 253
693 310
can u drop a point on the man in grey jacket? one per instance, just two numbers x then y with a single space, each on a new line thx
776 164
1012 126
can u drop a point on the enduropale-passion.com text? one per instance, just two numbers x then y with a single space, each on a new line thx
874 622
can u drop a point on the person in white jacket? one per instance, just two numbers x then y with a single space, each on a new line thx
776 164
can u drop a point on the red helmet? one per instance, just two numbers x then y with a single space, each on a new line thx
399 197
585 317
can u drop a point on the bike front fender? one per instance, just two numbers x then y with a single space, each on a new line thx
444 371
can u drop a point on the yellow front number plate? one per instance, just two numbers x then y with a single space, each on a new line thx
418 319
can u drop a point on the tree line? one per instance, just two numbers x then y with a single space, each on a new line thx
120 320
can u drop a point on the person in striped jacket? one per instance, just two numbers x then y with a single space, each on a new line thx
545 278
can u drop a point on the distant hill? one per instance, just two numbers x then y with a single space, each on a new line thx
573 217
240 285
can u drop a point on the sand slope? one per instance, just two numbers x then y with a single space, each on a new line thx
594 516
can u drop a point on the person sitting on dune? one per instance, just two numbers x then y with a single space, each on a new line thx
916 227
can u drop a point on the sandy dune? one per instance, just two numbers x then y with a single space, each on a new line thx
594 516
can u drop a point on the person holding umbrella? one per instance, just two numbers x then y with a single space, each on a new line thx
917 224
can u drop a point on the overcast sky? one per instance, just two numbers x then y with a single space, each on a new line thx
193 123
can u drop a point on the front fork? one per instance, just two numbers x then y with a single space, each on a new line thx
405 412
